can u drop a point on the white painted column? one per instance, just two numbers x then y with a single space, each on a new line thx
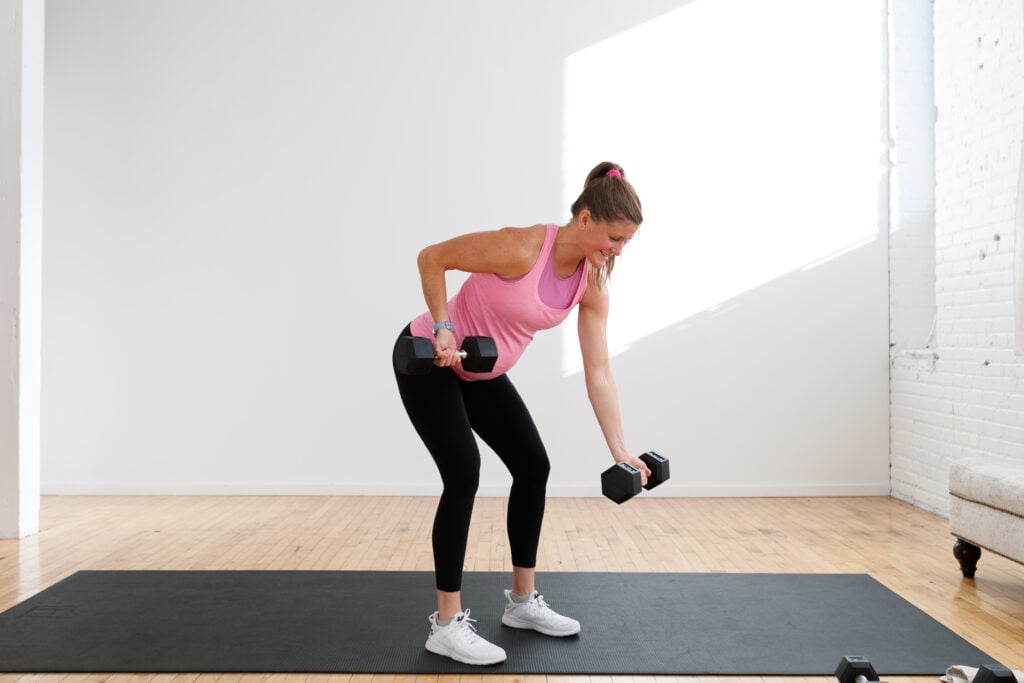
1018 260
21 228
912 306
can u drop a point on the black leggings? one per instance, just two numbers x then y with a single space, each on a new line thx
446 410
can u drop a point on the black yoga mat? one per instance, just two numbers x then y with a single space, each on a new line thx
376 622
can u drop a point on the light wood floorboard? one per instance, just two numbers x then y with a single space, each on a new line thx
904 548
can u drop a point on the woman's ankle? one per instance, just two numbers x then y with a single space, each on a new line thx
448 604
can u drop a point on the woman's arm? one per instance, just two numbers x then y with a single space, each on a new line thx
509 252
604 397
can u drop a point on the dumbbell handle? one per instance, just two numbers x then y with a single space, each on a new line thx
460 353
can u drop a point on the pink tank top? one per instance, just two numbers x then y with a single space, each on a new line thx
509 311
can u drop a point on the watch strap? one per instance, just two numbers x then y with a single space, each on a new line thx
443 325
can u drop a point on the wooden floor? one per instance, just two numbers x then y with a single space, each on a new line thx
906 549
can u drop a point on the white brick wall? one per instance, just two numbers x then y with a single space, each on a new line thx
965 396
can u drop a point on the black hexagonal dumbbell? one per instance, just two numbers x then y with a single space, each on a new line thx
621 481
856 669
994 673
415 355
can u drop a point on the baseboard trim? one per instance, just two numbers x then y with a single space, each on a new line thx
668 490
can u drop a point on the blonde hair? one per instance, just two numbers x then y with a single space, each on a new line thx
610 198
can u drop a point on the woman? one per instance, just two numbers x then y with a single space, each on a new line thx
523 280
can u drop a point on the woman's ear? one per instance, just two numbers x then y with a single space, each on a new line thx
584 217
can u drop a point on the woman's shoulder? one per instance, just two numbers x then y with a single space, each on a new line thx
513 250
531 234
526 240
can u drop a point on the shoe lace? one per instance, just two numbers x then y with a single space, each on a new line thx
469 633
537 603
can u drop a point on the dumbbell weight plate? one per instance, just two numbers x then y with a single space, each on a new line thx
658 466
414 355
994 673
853 668
481 354
620 482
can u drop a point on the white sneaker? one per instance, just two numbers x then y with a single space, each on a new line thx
536 614
459 641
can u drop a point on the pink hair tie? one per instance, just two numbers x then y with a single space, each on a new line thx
613 173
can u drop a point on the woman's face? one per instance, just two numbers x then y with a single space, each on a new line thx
607 238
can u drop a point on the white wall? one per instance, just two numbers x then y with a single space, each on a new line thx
21 223
965 396
236 192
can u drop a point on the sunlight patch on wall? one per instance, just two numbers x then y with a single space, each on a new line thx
753 133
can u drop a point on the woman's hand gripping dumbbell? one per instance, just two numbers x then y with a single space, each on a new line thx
415 355
622 481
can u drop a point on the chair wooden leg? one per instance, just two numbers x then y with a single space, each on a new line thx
967 554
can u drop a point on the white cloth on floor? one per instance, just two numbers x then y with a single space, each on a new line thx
966 674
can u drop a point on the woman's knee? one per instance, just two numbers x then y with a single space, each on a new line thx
461 483
532 471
